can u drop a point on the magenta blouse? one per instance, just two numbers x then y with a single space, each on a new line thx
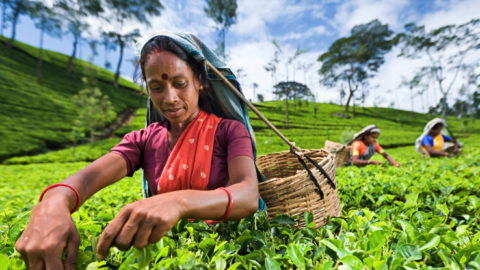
148 149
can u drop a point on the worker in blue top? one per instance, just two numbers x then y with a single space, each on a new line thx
434 143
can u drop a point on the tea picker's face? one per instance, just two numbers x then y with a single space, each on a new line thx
172 86
372 138
436 131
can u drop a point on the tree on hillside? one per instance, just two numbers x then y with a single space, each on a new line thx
122 40
305 68
93 44
124 11
476 103
45 20
94 110
286 91
354 59
17 7
73 14
255 86
224 13
291 61
271 66
108 45
260 98
447 50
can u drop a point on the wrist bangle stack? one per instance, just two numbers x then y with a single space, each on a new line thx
64 185
230 203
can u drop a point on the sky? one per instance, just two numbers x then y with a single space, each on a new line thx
311 26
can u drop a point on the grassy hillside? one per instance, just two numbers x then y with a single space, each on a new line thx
311 124
39 116
306 129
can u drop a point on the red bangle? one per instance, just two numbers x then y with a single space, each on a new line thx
230 203
64 185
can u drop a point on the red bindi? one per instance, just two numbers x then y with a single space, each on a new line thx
164 76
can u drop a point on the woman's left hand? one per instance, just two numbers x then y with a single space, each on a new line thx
140 223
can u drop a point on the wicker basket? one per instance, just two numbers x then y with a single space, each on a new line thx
342 157
289 188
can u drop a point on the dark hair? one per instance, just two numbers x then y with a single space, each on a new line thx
437 125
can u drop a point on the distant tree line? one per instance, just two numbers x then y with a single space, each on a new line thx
72 17
467 107
351 61
348 65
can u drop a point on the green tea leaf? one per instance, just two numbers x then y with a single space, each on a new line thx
376 240
443 208
474 261
431 244
234 266
410 200
4 262
410 252
220 263
271 264
308 217
207 245
283 220
447 260
295 256
473 200
339 251
352 261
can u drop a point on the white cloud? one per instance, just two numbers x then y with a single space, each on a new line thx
354 12
251 58
313 31
451 12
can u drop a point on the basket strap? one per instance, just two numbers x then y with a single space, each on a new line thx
312 177
330 181
250 105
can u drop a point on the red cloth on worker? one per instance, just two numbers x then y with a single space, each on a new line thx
148 149
188 166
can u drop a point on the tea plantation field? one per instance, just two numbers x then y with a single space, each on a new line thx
37 116
422 215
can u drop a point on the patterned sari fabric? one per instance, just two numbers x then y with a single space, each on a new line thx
189 164
365 152
369 152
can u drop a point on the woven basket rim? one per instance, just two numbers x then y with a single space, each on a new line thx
283 193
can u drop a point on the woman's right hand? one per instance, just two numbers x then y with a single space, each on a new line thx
50 231
375 162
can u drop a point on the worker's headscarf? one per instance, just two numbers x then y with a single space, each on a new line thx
426 130
366 131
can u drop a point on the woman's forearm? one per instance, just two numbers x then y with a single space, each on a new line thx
436 153
360 162
213 204
389 158
100 173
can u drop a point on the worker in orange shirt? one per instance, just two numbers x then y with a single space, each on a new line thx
365 146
